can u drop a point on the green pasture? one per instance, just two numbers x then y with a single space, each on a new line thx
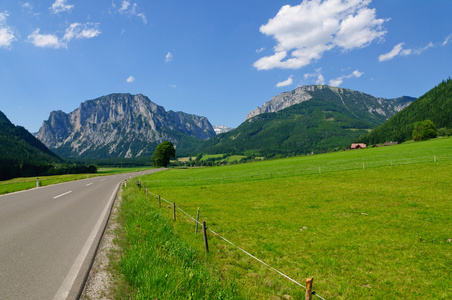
372 231
19 184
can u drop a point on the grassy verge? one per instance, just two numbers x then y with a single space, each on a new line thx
20 184
363 233
157 263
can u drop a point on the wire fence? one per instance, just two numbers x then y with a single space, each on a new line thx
302 169
231 243
291 172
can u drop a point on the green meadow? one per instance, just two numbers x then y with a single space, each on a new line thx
26 183
367 224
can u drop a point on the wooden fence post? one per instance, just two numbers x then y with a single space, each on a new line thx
309 282
174 211
204 232
197 222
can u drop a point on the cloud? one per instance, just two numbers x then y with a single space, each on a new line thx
260 50
130 79
7 36
131 9
287 82
338 81
26 6
399 51
320 80
168 57
74 31
446 40
60 6
304 32
391 54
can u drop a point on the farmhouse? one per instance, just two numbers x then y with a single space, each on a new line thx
391 143
358 146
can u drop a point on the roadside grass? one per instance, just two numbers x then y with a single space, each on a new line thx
156 262
26 183
363 233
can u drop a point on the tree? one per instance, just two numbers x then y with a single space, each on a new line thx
424 130
163 153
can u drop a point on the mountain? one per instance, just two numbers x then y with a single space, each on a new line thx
221 129
435 105
381 108
20 150
121 126
315 119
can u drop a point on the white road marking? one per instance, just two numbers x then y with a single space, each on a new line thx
69 280
62 195
89 184
103 180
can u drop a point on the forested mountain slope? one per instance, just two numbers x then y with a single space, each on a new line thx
435 105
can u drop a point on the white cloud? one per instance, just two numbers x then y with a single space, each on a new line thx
130 9
74 31
391 54
260 50
81 31
338 81
446 40
168 57
399 51
26 6
320 80
60 6
7 36
45 40
304 32
130 79
287 82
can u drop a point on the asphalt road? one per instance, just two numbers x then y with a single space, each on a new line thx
49 236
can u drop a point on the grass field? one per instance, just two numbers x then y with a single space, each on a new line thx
20 184
156 263
367 224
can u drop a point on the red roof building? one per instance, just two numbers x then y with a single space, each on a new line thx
358 146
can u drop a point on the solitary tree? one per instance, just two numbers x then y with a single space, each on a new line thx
163 153
424 130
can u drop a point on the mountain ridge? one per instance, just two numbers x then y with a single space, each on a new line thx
329 118
120 125
304 93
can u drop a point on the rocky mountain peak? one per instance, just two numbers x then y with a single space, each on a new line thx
352 100
119 125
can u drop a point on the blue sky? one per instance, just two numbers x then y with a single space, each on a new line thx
215 58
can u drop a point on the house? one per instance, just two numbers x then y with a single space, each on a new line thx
391 143
358 146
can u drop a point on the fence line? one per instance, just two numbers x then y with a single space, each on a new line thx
312 168
244 251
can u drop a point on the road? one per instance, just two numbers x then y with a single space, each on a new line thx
49 236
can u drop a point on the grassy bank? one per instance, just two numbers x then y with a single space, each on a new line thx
156 262
20 184
364 232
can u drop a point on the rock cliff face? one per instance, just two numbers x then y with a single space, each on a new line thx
119 125
378 106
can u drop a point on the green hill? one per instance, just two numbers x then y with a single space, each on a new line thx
20 151
435 105
332 119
